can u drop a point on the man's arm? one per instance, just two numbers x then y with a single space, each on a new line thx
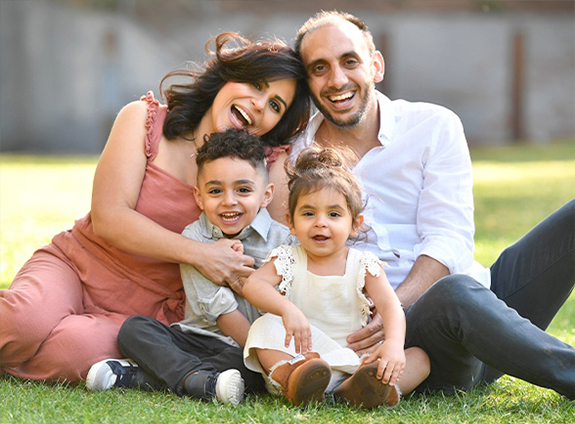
425 272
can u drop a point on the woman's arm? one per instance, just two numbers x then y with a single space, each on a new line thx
117 184
391 353
260 291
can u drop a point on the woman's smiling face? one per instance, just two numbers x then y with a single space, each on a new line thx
257 107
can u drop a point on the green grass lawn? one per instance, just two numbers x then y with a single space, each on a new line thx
515 187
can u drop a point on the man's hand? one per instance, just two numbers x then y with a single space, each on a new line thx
367 339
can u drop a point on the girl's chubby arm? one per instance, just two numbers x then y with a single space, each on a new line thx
116 188
391 352
260 291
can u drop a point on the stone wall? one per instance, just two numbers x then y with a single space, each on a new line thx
65 71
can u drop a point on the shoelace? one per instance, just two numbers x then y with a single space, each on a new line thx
124 373
210 384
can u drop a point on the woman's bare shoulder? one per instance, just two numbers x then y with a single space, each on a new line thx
137 108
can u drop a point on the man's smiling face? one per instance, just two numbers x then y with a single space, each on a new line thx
341 71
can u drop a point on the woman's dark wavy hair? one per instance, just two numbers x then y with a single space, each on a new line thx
246 62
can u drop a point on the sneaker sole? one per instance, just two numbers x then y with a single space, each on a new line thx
230 387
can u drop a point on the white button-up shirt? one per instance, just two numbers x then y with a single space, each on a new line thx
418 188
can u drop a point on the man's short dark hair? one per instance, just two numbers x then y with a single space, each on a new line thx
324 17
233 143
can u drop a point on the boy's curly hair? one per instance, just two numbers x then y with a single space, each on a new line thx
233 143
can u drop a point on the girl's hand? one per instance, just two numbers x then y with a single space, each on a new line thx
391 361
223 262
297 326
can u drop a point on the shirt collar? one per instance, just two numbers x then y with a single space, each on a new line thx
261 225
386 122
386 119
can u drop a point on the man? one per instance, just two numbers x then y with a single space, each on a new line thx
414 164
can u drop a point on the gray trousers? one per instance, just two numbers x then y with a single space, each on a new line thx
474 334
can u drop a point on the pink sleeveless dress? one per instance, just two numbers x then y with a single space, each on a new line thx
63 310
65 307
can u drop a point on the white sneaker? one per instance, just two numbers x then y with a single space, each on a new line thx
230 387
110 372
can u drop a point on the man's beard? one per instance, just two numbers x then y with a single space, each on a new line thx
356 118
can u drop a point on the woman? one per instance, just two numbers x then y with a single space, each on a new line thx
64 308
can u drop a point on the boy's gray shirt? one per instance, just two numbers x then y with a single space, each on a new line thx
205 300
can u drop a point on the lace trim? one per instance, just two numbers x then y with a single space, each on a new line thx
370 263
153 105
285 261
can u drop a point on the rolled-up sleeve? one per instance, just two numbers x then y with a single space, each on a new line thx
206 299
445 211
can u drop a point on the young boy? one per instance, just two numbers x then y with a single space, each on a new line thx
201 356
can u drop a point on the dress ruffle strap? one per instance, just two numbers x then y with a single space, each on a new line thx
369 263
285 262
153 106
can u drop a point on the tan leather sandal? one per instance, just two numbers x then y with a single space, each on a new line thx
364 389
303 378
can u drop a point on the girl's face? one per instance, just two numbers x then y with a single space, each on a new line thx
322 222
257 107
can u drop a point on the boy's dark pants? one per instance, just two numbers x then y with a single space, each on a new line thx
170 355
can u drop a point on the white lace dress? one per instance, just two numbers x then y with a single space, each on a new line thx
335 307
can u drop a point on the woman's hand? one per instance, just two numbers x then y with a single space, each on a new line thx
297 327
224 262
238 285
391 358
237 246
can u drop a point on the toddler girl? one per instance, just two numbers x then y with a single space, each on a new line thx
324 291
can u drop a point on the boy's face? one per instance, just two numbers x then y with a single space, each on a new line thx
231 192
